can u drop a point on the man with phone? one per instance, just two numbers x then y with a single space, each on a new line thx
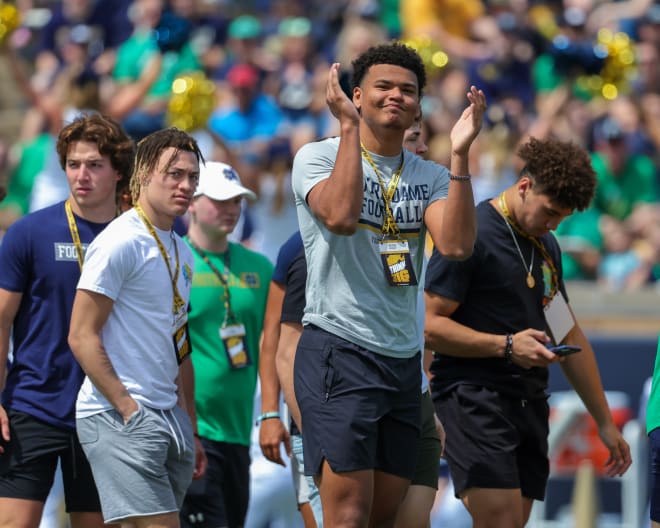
490 321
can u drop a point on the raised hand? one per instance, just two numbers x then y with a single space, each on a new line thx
338 102
469 124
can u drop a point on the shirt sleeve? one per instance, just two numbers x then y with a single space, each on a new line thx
107 264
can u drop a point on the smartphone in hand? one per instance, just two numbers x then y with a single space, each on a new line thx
564 350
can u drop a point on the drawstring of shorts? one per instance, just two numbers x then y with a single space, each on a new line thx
179 446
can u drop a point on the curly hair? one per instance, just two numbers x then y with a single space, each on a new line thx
394 53
560 170
110 139
151 147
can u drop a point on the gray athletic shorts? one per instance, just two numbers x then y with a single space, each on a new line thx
143 467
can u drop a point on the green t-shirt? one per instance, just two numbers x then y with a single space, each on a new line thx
21 179
224 396
653 406
577 233
618 195
546 78
136 52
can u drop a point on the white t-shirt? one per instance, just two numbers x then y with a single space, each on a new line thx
125 264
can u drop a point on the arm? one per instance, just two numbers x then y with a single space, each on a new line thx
272 431
89 315
186 385
452 223
43 100
428 359
337 201
607 13
9 303
443 333
581 370
129 95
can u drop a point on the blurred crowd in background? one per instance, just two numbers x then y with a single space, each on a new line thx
248 77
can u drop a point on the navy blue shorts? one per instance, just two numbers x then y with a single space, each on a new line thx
494 441
654 438
360 410
27 468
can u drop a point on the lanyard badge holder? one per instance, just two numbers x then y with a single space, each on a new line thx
232 334
182 345
397 263
394 251
395 254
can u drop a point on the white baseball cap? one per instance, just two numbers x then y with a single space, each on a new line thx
220 181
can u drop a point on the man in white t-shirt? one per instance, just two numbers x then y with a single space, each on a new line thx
135 412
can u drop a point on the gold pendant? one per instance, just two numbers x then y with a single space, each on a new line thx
530 281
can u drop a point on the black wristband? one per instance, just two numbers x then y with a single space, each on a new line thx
508 349
455 177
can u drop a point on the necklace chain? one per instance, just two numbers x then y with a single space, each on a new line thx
515 241
530 278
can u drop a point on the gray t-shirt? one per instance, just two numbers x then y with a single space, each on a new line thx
347 293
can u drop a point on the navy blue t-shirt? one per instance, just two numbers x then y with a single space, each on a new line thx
38 258
291 271
285 255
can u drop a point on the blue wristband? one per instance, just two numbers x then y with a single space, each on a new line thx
267 415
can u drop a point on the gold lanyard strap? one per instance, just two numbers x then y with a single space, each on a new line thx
223 277
554 275
177 301
75 236
389 225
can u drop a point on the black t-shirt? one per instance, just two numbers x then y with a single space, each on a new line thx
494 298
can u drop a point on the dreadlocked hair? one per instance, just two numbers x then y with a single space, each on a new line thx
149 150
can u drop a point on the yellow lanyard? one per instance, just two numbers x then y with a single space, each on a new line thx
177 302
223 277
75 236
389 225
554 275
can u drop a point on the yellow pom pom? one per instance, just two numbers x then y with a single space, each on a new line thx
619 64
192 101
10 19
432 56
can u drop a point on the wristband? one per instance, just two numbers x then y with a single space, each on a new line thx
508 349
267 416
459 178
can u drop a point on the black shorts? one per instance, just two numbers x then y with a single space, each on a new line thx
428 447
494 441
220 497
27 468
654 438
360 410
